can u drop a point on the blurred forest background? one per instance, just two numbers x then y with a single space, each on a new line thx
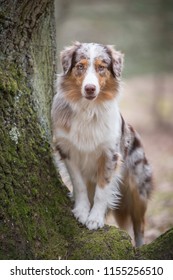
143 31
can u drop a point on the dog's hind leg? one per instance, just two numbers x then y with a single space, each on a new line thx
140 182
131 210
137 213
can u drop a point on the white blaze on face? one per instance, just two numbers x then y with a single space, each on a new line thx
91 75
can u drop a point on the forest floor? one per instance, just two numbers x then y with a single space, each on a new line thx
136 104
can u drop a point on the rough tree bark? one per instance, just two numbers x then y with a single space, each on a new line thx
35 212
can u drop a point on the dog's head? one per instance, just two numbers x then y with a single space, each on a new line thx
91 71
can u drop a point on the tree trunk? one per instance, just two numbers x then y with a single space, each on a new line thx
35 212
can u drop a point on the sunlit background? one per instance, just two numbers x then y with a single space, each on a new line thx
143 31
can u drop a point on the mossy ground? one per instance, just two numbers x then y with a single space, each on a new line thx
160 249
107 243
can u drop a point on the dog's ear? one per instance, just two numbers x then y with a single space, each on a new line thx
117 59
67 56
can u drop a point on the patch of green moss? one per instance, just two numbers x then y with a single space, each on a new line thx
159 249
9 78
107 243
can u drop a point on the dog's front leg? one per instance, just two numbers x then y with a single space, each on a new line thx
107 192
82 204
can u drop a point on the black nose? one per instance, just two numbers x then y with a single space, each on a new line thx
90 89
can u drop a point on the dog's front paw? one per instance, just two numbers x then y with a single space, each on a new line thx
95 220
81 212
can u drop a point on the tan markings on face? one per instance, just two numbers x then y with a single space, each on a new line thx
78 72
71 89
73 82
108 85
109 91
100 67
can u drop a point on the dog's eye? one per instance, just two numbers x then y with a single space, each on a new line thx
80 66
101 68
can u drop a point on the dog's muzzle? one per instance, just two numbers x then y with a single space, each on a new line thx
90 91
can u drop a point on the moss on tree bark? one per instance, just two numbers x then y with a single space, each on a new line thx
35 212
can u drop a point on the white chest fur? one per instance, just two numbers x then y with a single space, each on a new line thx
94 126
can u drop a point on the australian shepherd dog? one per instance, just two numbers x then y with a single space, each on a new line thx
103 155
